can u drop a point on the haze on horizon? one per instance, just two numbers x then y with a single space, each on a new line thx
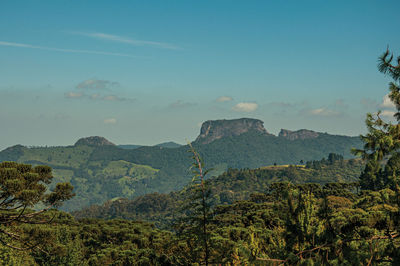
146 73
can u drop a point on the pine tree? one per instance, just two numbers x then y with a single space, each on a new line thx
382 142
21 188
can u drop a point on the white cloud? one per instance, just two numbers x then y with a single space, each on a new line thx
387 113
387 102
121 39
97 84
73 95
23 45
224 99
110 121
245 107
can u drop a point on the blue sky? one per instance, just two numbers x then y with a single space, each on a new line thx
144 72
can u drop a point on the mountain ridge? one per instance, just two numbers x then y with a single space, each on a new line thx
298 134
210 131
103 172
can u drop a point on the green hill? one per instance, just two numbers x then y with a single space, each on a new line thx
233 185
100 170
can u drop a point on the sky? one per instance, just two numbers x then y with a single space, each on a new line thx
146 72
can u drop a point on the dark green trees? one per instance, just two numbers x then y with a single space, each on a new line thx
382 142
21 188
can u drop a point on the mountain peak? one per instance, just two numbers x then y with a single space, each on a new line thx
298 134
94 141
215 129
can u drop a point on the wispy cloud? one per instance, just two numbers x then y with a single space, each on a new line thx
121 39
245 107
224 99
73 95
95 90
323 112
282 104
24 45
115 98
180 104
97 84
97 97
110 121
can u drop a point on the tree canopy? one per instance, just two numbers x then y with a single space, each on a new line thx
382 142
22 187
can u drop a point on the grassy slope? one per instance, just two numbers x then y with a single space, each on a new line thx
227 188
106 172
94 181
72 156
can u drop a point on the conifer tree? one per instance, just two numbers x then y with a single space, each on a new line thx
382 142
21 188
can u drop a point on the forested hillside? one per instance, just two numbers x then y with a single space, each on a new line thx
227 188
103 172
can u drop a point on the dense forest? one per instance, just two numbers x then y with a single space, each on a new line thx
332 224
318 213
231 186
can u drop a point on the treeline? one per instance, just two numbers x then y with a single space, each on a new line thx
91 242
84 166
290 224
231 186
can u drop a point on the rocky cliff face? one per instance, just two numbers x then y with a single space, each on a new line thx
215 129
299 134
94 141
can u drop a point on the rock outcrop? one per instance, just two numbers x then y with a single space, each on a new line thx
298 134
215 129
94 141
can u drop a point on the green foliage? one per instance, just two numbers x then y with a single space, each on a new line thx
23 187
94 242
294 224
309 224
101 173
233 185
382 142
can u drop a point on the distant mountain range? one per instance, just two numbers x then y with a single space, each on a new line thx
101 170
